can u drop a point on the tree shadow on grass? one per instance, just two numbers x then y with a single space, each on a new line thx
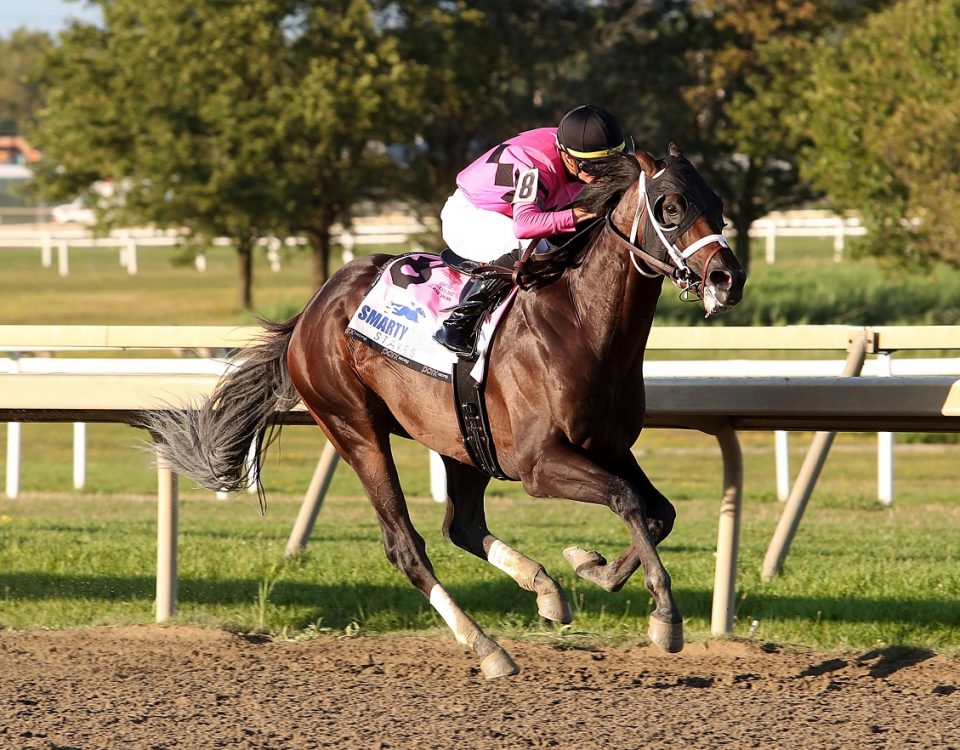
338 603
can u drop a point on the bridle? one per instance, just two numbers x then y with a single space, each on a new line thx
678 271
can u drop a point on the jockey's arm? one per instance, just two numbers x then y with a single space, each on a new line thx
530 222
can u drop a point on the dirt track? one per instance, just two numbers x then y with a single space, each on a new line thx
185 687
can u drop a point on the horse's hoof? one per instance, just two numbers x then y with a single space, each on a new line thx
554 607
498 664
580 558
666 635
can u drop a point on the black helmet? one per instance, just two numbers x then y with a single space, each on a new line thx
588 132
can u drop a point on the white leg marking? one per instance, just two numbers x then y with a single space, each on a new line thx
519 567
461 625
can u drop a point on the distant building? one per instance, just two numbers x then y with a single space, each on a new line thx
14 149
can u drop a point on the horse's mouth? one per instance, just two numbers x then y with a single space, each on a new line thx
721 292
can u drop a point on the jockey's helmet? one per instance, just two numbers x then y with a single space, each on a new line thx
588 132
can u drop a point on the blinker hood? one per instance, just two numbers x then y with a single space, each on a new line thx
678 176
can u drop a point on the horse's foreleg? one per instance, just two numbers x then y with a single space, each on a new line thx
657 509
563 472
465 525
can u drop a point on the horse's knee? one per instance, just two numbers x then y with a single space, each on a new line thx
660 528
410 558
455 535
660 519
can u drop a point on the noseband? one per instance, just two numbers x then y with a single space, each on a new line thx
678 271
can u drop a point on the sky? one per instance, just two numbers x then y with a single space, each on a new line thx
43 15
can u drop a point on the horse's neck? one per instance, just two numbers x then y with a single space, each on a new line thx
615 304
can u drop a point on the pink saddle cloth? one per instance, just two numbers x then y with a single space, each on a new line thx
407 304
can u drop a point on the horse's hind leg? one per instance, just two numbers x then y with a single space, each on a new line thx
466 526
370 456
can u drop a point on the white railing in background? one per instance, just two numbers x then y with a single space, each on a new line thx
395 229
60 240
805 224
714 404
883 366
16 365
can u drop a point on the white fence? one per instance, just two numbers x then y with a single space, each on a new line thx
883 366
15 365
393 229
715 404
58 240
805 224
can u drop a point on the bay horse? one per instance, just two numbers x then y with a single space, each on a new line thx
564 394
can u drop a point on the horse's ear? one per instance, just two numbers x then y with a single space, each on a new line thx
647 163
673 149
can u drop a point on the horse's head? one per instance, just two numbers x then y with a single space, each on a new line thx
682 220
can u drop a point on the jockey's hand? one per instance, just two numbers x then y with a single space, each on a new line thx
580 214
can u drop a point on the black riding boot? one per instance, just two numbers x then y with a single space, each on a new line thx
459 331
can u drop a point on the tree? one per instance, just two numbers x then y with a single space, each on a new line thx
345 95
20 57
236 119
486 70
634 62
748 59
883 114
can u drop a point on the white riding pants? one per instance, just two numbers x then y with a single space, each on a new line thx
475 233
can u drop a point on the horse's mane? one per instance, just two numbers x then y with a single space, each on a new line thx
613 176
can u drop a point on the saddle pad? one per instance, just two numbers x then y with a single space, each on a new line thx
407 304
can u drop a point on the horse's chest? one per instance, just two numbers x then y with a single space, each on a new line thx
608 417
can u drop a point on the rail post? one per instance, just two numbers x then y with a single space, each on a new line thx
79 455
63 258
781 439
859 343
771 242
728 533
312 502
167 512
438 478
885 445
13 460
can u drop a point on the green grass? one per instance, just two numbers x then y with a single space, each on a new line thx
858 575
78 558
166 290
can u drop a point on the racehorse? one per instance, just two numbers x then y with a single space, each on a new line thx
564 395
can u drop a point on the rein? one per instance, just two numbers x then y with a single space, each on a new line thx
678 272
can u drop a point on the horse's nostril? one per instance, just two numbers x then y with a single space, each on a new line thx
721 279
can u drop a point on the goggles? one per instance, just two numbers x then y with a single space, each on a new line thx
584 159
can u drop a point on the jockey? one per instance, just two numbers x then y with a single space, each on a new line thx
515 194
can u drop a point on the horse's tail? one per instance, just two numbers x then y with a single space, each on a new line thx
211 444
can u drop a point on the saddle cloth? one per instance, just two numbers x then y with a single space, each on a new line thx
407 304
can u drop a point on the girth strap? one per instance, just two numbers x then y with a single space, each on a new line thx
472 417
